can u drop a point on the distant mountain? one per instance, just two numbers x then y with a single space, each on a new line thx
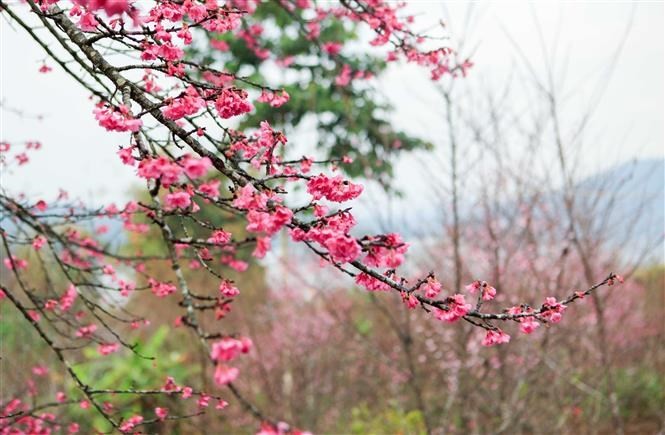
628 199
632 197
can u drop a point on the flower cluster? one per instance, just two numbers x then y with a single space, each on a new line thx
553 310
431 287
335 189
457 308
224 351
232 102
385 251
495 336
275 99
116 118
188 104
528 324
487 291
161 289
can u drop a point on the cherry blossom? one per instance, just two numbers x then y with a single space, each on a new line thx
493 337
333 189
457 308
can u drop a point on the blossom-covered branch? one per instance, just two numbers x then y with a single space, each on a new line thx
211 192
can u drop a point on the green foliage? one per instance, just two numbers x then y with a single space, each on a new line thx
388 421
127 370
349 120
641 391
364 327
11 327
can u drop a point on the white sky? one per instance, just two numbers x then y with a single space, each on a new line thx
80 157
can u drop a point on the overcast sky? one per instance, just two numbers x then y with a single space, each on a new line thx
79 156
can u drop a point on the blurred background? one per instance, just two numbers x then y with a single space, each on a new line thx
541 171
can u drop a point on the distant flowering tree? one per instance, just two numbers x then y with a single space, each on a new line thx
178 120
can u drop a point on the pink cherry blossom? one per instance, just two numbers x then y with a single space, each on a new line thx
161 413
210 189
88 22
342 248
553 310
181 200
410 300
493 337
262 247
333 189
204 401
196 168
227 289
528 325
488 292
371 283
68 298
385 251
189 104
268 222
332 48
225 374
161 289
40 370
344 77
225 349
275 99
432 288
160 168
220 237
116 118
457 308
108 348
131 423
125 287
170 384
15 263
232 102
86 331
